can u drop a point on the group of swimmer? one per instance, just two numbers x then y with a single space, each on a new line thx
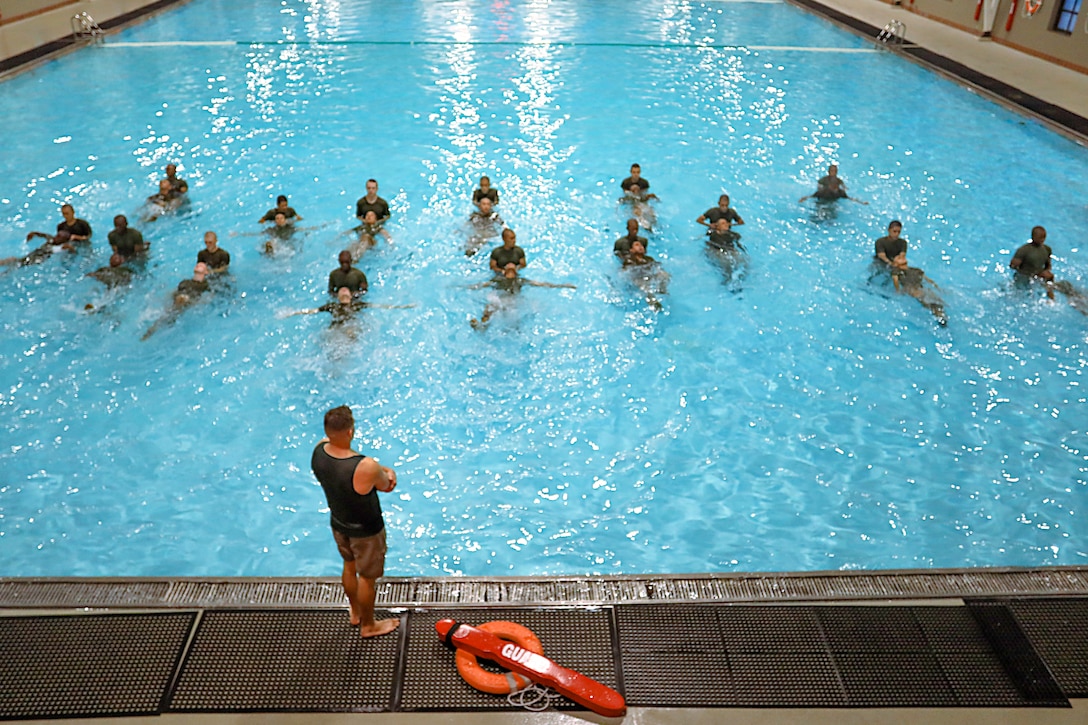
347 284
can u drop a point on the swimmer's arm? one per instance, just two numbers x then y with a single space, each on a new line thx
219 270
562 285
895 281
369 476
43 235
1017 260
702 220
738 221
927 279
481 285
313 311
494 266
884 258
183 186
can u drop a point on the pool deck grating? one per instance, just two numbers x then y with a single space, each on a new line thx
714 655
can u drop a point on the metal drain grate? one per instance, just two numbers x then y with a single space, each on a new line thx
88 665
575 638
286 661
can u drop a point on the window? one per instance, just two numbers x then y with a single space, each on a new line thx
1066 21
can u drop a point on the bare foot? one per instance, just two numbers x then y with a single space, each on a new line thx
355 619
382 626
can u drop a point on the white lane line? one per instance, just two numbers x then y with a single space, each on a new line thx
172 43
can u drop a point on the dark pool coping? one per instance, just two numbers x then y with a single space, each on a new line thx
1058 118
242 592
69 43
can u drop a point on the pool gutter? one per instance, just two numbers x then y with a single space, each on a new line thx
581 591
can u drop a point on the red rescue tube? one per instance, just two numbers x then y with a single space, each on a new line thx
978 9
583 690
490 682
1012 14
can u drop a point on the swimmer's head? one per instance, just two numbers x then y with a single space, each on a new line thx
485 183
510 271
339 420
1038 235
371 187
638 248
345 260
116 260
632 227
281 219
68 213
895 228
200 271
634 190
722 225
121 222
485 204
371 217
211 241
900 260
508 237
343 295
62 237
281 202
636 171
723 201
833 170
165 187
171 170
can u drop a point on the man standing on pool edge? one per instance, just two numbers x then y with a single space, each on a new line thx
351 482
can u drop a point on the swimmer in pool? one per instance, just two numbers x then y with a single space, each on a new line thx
345 307
372 202
116 274
508 253
831 187
888 249
622 246
167 200
125 240
178 186
635 178
216 258
913 281
647 274
79 230
708 217
279 233
483 224
282 207
722 237
368 233
187 293
347 276
511 284
639 200
53 242
485 191
1032 261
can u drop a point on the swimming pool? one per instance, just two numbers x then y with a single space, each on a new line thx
801 420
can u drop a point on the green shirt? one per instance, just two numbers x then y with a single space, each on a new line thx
270 215
892 248
112 276
219 258
622 246
502 256
353 279
125 243
1033 258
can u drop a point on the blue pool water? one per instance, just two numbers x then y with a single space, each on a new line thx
800 419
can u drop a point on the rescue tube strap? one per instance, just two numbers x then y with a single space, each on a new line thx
449 635
534 698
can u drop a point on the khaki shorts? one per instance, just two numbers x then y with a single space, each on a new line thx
367 552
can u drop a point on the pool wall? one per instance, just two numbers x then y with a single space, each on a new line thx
1034 34
32 29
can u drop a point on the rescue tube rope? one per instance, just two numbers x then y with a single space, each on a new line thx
534 698
490 682
1031 7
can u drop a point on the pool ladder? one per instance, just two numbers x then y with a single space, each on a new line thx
84 26
893 33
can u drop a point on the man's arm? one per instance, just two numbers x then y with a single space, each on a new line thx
1017 259
369 476
534 283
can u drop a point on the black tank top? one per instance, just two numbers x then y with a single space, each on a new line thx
350 514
